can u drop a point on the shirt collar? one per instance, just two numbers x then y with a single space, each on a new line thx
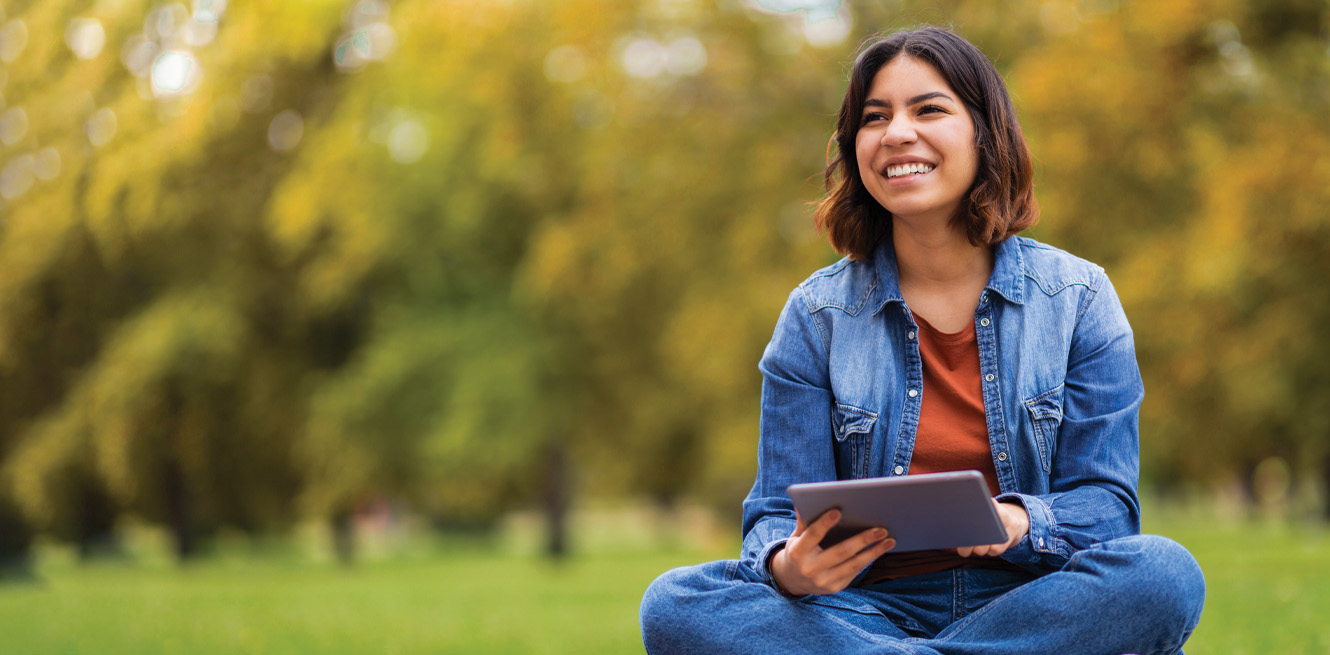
1008 273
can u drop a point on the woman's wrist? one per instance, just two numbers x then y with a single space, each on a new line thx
771 570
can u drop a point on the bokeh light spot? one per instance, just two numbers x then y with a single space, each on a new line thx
408 142
814 10
101 127
685 56
643 58
138 54
285 131
13 39
164 22
17 177
13 125
826 32
354 50
209 11
85 37
366 12
174 73
565 64
368 36
199 33
46 163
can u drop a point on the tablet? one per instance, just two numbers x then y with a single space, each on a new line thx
922 512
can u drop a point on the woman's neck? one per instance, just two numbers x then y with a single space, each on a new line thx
939 257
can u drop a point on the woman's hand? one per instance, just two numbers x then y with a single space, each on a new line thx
803 567
1017 523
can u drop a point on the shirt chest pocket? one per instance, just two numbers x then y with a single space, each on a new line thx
853 430
1045 412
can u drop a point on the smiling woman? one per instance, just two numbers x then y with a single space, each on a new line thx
915 146
1001 200
942 342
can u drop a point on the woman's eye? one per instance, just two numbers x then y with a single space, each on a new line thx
869 118
930 109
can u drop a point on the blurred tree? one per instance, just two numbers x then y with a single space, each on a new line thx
478 255
1192 163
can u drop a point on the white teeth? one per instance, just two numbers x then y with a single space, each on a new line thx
908 169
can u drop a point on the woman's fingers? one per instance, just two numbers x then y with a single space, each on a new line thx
804 567
874 550
813 534
846 550
875 542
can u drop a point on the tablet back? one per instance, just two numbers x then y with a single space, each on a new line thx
922 512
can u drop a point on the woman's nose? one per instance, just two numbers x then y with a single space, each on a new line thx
899 132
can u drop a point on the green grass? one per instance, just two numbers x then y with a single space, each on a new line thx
1267 587
1269 592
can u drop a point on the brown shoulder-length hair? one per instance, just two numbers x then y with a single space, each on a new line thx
1001 200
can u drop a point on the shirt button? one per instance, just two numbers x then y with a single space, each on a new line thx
988 378
984 322
912 393
909 335
1002 457
1041 542
983 298
899 470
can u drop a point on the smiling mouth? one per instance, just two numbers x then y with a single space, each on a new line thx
903 170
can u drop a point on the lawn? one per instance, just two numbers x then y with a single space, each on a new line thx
1269 592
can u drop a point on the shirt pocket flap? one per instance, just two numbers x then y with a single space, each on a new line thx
1047 405
1045 417
848 420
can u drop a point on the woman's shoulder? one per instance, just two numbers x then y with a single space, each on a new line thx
1053 269
848 285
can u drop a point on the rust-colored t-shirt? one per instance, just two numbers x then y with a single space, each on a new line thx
952 436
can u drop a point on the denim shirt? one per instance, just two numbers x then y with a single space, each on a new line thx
843 384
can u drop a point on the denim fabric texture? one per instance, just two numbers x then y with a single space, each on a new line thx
841 395
1138 594
843 383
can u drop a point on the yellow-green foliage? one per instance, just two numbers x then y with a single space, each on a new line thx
495 242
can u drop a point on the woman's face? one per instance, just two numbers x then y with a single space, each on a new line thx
915 147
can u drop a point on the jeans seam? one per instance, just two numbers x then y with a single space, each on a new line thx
960 624
957 594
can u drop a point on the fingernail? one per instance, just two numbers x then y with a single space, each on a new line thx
878 534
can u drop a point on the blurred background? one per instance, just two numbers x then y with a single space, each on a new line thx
476 273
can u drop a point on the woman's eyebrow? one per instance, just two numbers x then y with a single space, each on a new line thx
874 102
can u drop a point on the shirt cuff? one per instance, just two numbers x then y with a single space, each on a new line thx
1038 546
764 567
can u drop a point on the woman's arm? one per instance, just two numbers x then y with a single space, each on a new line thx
795 440
1092 480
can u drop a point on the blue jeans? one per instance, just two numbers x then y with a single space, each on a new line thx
1140 594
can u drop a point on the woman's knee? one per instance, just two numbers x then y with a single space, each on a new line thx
1162 576
677 600
663 594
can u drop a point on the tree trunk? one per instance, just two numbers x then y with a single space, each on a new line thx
343 536
96 522
15 539
179 513
555 502
1325 492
